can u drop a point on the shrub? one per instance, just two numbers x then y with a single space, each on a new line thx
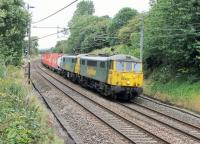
20 121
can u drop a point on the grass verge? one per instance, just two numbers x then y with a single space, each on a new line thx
22 118
180 93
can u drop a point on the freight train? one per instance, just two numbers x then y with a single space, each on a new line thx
117 76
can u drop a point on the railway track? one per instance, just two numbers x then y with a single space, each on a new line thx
176 124
132 132
189 130
153 100
73 139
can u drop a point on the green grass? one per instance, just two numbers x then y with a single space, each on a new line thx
21 120
176 92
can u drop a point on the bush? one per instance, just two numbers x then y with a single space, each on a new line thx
20 121
163 74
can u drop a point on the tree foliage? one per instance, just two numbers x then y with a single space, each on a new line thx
60 47
172 36
125 33
120 20
87 32
84 8
13 25
34 46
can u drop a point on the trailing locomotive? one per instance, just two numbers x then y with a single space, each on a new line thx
114 76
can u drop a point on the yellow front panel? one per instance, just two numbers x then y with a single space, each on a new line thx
129 79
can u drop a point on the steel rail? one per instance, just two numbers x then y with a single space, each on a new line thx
168 106
168 125
110 111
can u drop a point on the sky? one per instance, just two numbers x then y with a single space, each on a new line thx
44 8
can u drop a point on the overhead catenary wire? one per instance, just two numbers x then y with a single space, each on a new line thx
52 34
64 30
106 36
55 12
46 27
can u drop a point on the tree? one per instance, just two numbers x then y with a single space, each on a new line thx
84 8
120 20
88 33
152 2
61 47
126 31
13 25
172 36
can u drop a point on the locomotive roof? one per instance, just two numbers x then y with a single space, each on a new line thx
125 58
96 58
114 57
69 56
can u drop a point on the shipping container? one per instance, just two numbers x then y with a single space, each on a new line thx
51 60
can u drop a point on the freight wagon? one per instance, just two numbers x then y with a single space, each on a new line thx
52 60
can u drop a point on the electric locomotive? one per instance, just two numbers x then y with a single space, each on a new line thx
113 76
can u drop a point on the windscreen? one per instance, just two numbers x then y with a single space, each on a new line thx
137 67
120 66
128 66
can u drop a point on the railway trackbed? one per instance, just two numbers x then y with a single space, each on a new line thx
123 126
176 124
159 103
123 123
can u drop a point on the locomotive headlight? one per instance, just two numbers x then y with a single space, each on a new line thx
128 82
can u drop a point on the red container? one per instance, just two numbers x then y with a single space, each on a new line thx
51 59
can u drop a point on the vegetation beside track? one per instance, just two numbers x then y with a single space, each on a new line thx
118 49
22 118
176 92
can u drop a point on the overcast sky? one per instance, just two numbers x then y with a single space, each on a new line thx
44 8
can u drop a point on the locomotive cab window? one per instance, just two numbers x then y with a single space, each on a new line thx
73 60
129 66
120 66
102 65
138 67
92 63
83 62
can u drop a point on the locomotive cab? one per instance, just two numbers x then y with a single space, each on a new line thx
125 75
